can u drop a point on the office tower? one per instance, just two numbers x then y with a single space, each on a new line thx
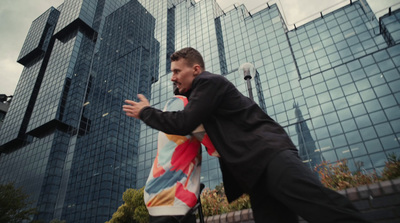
66 140
332 83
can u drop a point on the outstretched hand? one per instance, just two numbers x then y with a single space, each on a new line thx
132 109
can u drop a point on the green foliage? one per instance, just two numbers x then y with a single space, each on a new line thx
392 168
215 202
14 204
133 210
123 214
141 214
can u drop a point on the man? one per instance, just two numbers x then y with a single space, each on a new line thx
256 154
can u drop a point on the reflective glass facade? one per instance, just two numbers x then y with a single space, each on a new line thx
333 83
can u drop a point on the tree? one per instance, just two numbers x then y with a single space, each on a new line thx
133 210
14 204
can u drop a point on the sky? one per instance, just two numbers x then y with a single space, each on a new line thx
16 17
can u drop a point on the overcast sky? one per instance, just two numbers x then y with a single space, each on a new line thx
16 17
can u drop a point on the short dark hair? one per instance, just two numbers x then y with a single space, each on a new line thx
191 55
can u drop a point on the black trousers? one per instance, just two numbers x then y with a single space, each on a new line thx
288 188
172 219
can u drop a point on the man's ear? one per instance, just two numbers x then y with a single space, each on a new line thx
197 69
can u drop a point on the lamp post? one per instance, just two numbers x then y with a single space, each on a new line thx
248 70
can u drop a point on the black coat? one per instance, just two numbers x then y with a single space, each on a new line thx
244 136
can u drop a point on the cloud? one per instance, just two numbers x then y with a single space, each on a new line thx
294 11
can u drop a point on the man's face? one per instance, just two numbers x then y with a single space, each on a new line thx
183 74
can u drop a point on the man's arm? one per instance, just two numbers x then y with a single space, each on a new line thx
206 96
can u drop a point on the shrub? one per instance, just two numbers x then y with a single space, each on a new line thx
133 210
339 176
392 168
215 202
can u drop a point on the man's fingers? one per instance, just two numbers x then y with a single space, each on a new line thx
130 102
126 107
130 115
142 98
133 108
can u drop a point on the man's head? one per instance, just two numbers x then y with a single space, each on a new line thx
186 64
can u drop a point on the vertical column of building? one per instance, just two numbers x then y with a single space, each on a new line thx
106 155
65 80
221 48
88 28
164 13
58 107
28 154
260 92
170 37
34 56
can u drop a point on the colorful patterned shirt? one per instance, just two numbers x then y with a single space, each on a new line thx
173 184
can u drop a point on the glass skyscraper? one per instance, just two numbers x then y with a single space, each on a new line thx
332 83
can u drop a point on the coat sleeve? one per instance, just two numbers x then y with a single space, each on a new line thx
207 93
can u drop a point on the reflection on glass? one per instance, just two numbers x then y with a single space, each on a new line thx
307 150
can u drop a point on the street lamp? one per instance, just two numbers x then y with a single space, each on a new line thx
248 70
